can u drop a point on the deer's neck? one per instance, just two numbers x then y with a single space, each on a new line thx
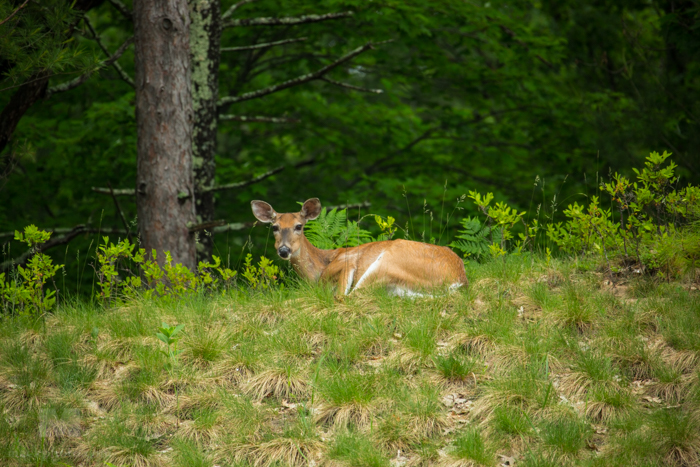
310 262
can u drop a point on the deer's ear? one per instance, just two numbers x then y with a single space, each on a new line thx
311 209
263 211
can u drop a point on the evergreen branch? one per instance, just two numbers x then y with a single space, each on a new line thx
14 12
123 9
244 118
115 64
295 81
261 46
235 7
350 86
74 83
286 21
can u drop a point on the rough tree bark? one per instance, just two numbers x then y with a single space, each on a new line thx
164 116
205 42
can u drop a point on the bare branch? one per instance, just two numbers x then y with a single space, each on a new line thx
246 183
235 7
244 118
364 204
14 12
350 86
74 83
229 186
117 192
70 235
123 9
232 227
261 46
65 230
206 225
121 213
287 21
295 81
115 64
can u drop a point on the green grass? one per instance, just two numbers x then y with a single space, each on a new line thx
545 364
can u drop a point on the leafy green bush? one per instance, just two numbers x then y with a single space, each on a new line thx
655 226
28 290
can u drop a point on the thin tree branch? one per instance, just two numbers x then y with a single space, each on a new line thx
206 225
235 7
121 213
350 86
122 9
295 81
54 242
259 178
262 46
287 21
229 186
364 204
74 83
14 12
232 227
65 230
115 64
117 192
244 118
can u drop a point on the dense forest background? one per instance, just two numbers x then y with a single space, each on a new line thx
534 101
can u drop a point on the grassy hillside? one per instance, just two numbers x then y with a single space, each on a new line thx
533 364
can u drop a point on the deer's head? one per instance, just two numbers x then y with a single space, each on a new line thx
288 228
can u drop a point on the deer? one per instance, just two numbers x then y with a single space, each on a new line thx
404 267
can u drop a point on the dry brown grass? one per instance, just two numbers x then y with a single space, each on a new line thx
277 383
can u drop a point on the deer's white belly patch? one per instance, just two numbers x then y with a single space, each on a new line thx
351 276
370 270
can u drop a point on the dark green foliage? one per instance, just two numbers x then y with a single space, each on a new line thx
481 96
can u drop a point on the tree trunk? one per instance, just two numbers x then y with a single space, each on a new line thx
164 117
205 41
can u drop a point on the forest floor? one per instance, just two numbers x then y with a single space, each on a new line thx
532 364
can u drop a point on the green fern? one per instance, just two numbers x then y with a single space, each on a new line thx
473 239
332 230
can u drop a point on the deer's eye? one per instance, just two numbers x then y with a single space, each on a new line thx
298 227
275 228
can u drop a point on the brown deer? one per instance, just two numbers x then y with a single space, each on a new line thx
403 266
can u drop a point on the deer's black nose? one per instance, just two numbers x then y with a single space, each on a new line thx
284 252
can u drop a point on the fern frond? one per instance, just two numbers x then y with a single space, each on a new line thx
332 230
474 238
